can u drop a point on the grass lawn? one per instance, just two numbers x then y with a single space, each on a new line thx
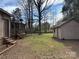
45 47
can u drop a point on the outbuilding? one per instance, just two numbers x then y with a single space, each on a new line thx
4 24
68 29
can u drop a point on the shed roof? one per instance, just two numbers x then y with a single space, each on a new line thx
61 22
3 11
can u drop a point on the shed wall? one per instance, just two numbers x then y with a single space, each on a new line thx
70 30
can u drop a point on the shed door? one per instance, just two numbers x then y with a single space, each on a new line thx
6 28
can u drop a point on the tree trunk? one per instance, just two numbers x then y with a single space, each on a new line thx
29 20
30 15
39 11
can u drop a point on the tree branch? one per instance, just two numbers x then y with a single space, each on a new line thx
35 3
36 16
48 6
45 5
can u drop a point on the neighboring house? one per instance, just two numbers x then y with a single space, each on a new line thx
17 28
9 27
14 28
4 24
68 29
22 28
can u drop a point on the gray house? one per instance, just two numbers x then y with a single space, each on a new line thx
17 28
68 29
4 24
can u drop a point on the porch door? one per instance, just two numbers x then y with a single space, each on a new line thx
6 28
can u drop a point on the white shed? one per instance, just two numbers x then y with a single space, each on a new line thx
68 29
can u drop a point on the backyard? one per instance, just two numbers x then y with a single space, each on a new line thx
43 46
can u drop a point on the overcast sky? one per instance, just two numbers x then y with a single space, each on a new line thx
10 5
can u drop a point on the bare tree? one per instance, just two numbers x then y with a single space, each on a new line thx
27 7
39 5
30 20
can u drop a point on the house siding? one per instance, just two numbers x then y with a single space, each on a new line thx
5 21
59 33
1 29
4 26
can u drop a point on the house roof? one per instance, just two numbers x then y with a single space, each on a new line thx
3 11
61 22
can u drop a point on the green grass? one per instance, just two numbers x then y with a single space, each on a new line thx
43 44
